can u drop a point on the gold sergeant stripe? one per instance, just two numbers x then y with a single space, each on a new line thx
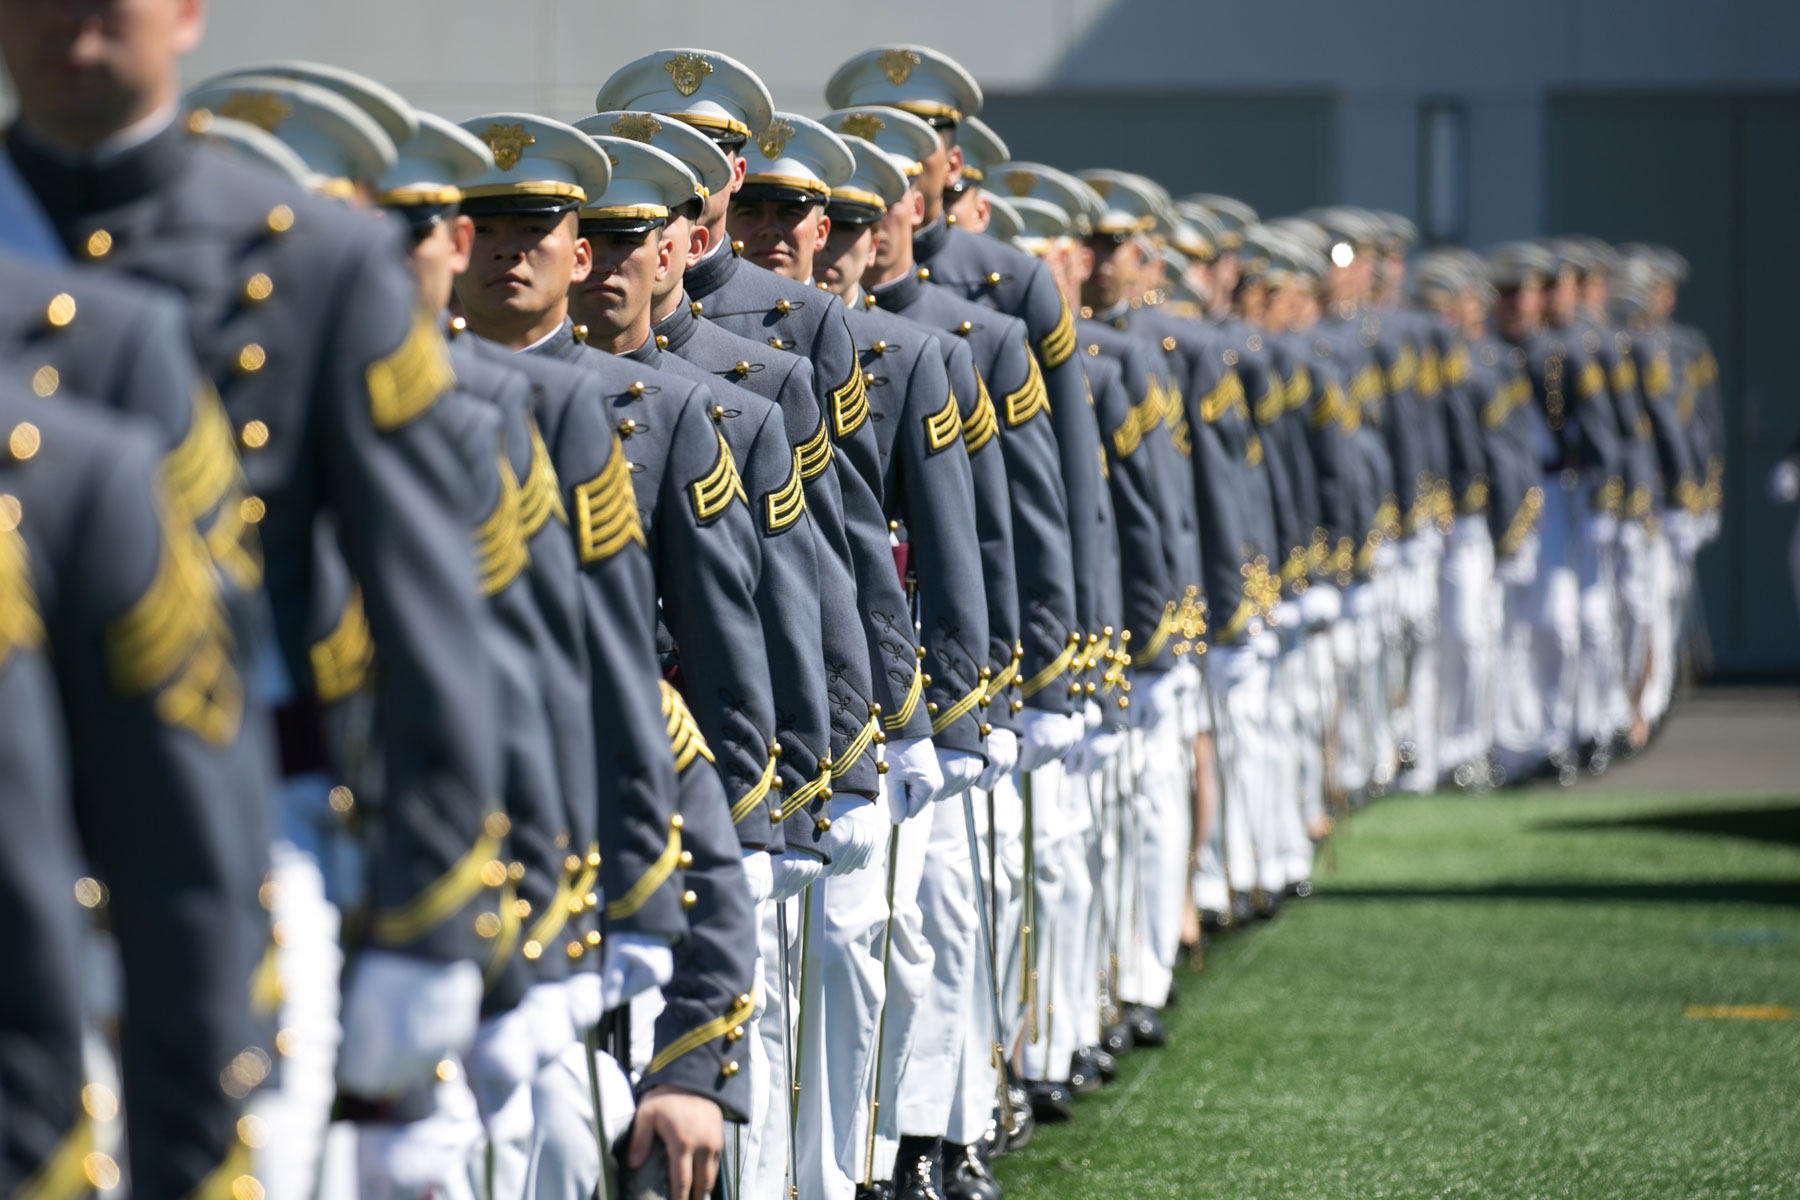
1057 666
606 515
783 506
1299 388
1591 381
693 1039
1273 402
1059 343
814 454
63 1173
441 900
1127 437
200 470
714 491
944 427
342 659
1031 398
982 424
898 720
542 497
859 745
1523 521
500 552
21 627
1225 396
850 400
758 793
686 742
958 710
641 891
233 543
407 382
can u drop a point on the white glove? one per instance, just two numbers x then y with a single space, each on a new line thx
759 875
914 776
1601 529
1784 482
504 1058
1003 756
793 872
1093 751
1321 604
633 963
1230 665
403 1016
1048 736
546 1005
1266 646
1519 567
961 769
1159 695
856 830
585 999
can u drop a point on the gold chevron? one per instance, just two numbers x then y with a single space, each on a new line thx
606 515
1031 398
1057 666
542 497
783 506
858 746
1299 388
500 552
1059 343
899 719
695 1038
943 427
850 401
955 712
343 658
409 381
979 429
713 492
814 454
641 891
759 792
686 742
199 471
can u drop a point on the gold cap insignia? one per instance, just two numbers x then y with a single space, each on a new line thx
639 127
773 140
864 125
507 142
1020 183
687 70
265 110
897 65
1102 187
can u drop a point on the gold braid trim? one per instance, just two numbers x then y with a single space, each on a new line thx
265 983
1523 522
500 552
898 720
1007 675
944 427
343 659
1299 388
958 710
807 792
693 1039
714 491
1226 396
758 793
551 921
199 471
507 940
1031 398
783 506
1159 637
686 742
1240 620
814 454
1055 667
445 896
850 400
859 745
63 1175
1273 403
641 891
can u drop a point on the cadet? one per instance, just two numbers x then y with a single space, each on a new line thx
967 204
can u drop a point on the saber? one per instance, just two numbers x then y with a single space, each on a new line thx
887 947
591 1039
787 1050
1028 917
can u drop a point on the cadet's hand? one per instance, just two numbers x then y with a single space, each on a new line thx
759 874
914 776
1092 752
403 1016
1048 736
1003 756
960 769
504 1058
693 1132
633 963
793 872
856 829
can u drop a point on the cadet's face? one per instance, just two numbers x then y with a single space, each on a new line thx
85 69
1565 295
1594 292
934 174
893 240
619 285
844 259
1115 271
1198 276
780 235
971 210
1225 273
1252 301
1520 309
438 258
523 264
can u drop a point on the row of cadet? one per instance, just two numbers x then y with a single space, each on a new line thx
715 652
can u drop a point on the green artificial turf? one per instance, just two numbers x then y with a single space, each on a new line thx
1485 999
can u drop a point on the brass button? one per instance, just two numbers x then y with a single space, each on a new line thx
257 288
44 382
581 333
735 1034
782 306
879 347
487 925
822 824
281 219
696 308
689 899
627 427
718 412
61 310
251 358
99 244
924 273
966 327
742 368
729 1069
636 388
675 821
993 277
687 859
662 343
254 435
24 440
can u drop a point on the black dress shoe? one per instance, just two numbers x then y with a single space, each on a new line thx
1105 1064
916 1168
1116 1040
1299 890
882 1190
1243 909
1266 905
1051 1102
1146 1027
1084 1076
965 1176
1019 1122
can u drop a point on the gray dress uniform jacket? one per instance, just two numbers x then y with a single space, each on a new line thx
788 380
754 303
1110 648
1013 413
929 498
704 549
1665 375
154 714
1009 280
630 813
305 319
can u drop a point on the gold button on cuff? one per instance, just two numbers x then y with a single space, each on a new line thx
689 899
686 860
675 821
254 435
61 310
487 925
24 440
252 509
496 825
281 219
729 1069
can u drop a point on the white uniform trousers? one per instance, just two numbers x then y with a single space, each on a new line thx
1355 727
1064 889
1287 686
978 1081
762 1147
911 960
1467 637
1009 879
565 1157
1665 623
1160 826
947 1009
1600 708
1423 557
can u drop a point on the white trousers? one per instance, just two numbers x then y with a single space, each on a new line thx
978 1080
1154 857
1063 891
565 1159
1467 636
